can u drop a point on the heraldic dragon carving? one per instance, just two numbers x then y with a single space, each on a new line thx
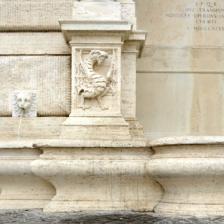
89 83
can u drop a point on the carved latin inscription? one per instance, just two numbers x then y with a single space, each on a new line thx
91 83
203 15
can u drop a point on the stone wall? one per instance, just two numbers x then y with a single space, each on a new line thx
180 75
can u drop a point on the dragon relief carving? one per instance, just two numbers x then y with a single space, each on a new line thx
90 84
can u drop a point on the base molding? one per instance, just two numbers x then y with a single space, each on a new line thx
191 172
19 187
100 128
194 210
106 179
103 206
95 175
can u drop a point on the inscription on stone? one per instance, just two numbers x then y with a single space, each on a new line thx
201 15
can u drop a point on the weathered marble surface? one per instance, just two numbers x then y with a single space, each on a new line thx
33 15
103 179
50 78
192 101
87 175
33 43
38 217
188 140
192 69
180 91
44 15
20 188
176 19
42 127
190 170
181 71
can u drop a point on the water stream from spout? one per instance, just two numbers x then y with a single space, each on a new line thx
19 128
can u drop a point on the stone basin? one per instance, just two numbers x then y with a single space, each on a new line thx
19 187
75 175
191 172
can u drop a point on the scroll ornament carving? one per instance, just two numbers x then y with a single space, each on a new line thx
90 84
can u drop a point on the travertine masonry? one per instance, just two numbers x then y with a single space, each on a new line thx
86 149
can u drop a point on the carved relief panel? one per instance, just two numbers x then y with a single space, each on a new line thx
24 104
96 78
